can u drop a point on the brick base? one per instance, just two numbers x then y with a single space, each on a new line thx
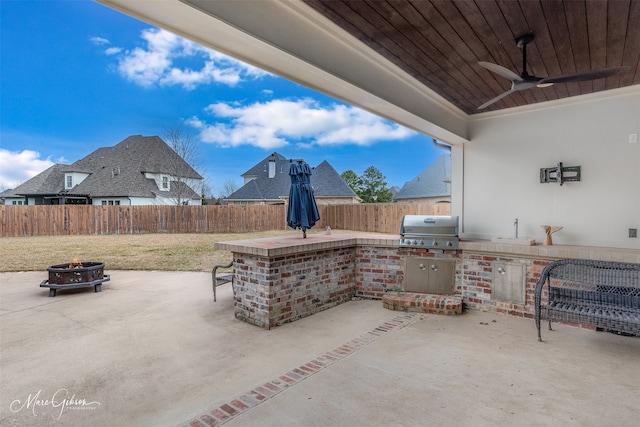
424 303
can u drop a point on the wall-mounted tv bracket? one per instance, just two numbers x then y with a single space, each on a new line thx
560 174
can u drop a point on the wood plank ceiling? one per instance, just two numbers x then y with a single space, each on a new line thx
440 42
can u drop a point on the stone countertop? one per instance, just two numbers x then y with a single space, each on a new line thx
292 244
553 251
289 244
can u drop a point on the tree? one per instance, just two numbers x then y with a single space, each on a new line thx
205 192
229 187
183 183
353 181
374 187
371 187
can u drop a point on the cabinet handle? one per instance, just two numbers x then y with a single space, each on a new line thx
501 271
434 267
422 267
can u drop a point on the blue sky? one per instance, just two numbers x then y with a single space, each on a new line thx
76 76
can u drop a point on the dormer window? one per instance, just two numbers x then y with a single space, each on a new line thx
165 183
69 181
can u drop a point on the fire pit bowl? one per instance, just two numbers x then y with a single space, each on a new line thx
75 275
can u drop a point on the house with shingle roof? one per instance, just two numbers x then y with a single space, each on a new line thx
432 184
140 170
268 182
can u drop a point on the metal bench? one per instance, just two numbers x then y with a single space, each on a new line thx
221 279
602 294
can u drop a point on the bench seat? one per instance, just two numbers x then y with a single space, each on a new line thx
604 295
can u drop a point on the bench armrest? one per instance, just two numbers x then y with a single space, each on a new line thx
215 279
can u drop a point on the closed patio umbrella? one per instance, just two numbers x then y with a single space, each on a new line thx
302 211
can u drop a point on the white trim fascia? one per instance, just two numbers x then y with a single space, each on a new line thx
557 103
250 31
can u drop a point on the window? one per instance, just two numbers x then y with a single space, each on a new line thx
17 202
165 183
69 181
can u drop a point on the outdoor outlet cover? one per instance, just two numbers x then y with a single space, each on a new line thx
633 138
633 232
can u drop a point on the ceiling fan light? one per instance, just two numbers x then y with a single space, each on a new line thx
543 85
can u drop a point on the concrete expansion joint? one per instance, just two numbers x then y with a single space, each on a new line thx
240 404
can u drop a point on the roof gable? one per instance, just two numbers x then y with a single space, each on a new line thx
325 181
261 168
434 181
49 181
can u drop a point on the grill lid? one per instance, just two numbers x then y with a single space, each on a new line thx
429 225
429 231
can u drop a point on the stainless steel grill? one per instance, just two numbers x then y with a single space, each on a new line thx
429 232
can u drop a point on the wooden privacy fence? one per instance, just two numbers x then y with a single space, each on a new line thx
49 220
376 217
90 219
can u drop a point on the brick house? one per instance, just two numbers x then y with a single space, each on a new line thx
268 182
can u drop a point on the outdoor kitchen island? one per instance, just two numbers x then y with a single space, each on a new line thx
282 279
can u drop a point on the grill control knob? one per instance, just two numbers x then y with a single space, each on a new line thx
435 243
449 243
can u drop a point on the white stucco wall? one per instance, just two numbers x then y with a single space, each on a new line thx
501 172
124 201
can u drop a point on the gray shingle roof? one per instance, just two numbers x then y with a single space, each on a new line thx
50 181
325 181
116 171
434 181
119 170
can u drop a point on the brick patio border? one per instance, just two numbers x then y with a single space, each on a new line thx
264 392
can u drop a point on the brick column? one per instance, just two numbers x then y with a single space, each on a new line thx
272 291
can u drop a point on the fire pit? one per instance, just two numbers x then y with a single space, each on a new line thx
75 275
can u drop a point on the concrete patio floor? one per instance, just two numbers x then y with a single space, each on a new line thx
153 349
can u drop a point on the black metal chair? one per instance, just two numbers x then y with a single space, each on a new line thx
221 279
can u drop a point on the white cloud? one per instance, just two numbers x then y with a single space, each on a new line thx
195 122
99 40
273 124
166 59
17 167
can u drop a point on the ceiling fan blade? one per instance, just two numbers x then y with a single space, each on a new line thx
584 76
500 70
496 99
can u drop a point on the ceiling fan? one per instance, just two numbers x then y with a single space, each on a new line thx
526 81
